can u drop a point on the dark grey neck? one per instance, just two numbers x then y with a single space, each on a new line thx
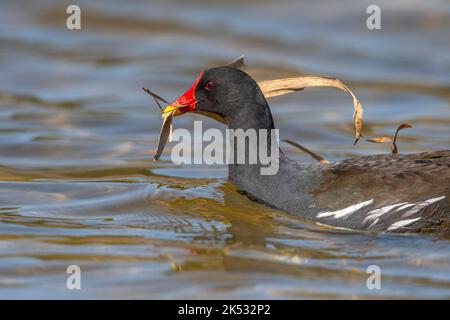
292 178
250 114
260 118
252 119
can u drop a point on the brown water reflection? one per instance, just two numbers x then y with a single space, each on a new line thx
77 184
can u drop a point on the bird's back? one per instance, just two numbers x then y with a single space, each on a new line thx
402 193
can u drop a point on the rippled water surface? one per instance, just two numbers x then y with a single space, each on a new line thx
77 184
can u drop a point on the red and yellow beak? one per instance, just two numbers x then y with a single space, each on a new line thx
186 102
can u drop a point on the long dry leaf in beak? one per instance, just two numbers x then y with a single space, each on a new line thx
273 88
165 133
166 128
314 155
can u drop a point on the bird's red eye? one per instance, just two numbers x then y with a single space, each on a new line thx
210 85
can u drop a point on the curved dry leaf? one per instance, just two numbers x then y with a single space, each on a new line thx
311 153
166 127
378 139
273 88
394 149
238 62
165 133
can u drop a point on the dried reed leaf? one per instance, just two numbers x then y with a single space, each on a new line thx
165 133
311 153
273 88
394 149
156 97
379 139
166 127
238 62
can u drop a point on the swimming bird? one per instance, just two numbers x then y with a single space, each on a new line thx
380 193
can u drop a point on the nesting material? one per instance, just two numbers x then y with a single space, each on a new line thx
166 128
314 155
277 87
393 140
165 133
394 149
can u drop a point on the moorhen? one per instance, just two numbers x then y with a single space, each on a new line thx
393 193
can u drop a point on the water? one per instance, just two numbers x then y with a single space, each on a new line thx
78 187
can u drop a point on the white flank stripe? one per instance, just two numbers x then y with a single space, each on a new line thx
432 200
346 211
372 215
402 223
421 205
405 206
